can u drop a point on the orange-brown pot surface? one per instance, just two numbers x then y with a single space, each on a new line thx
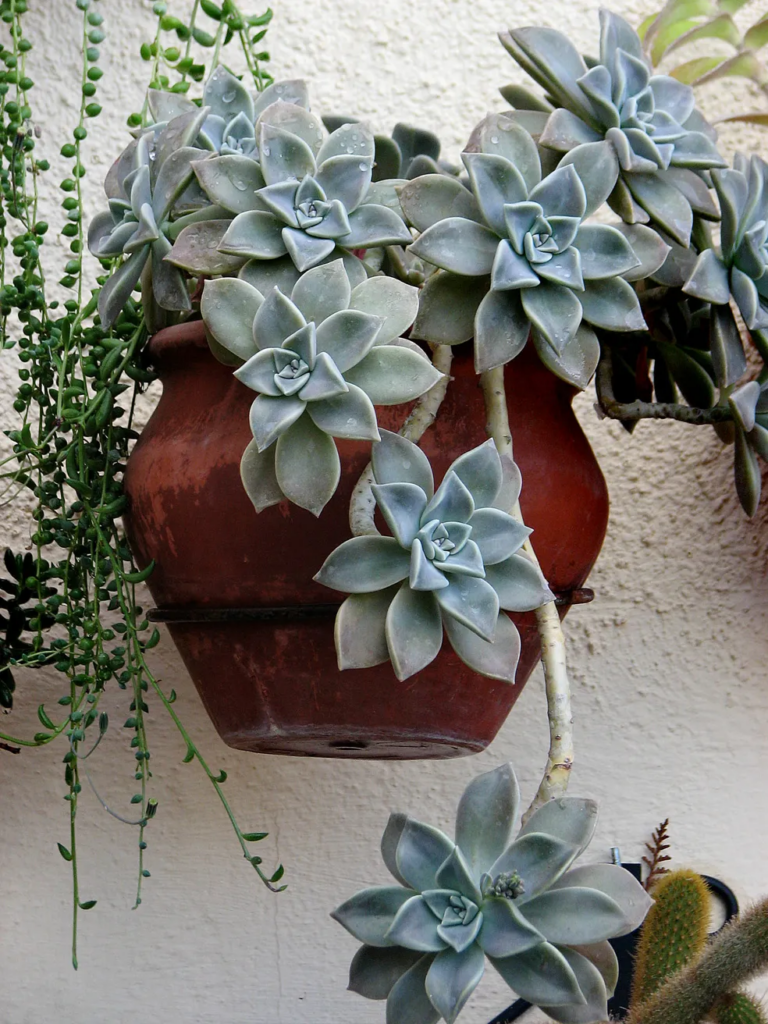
271 683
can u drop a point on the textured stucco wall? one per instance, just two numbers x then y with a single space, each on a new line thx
668 664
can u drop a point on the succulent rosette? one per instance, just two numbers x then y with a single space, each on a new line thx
313 200
635 137
320 360
534 266
142 187
232 111
738 270
543 924
452 564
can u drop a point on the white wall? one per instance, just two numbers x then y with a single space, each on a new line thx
668 664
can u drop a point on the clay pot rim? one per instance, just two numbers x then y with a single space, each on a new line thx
190 334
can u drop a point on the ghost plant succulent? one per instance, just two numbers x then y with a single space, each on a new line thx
636 137
544 272
543 924
319 359
451 563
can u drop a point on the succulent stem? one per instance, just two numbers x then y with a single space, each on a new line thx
557 686
362 505
611 407
738 953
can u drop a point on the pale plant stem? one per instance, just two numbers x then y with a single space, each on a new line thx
362 505
556 683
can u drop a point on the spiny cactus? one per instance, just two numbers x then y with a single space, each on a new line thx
736 954
738 1008
674 932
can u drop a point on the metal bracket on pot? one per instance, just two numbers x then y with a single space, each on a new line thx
292 613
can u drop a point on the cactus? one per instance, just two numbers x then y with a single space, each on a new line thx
674 932
738 1008
735 955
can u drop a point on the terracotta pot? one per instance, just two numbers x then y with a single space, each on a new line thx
270 682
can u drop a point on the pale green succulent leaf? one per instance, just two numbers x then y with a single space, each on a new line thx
501 329
458 245
511 270
497 660
748 300
264 275
347 140
447 307
565 131
307 464
414 631
117 290
363 564
276 319
497 534
602 956
676 268
605 252
612 304
650 249
434 197
461 937
496 183
539 859
593 990
172 178
393 374
394 829
254 235
486 816
226 95
397 460
452 979
505 931
551 59
164 106
575 915
695 191
283 155
169 286
306 251
663 203
692 379
555 311
541 975
293 90
455 874
322 291
374 970
394 302
421 852
709 280
473 602
359 632
746 471
408 1003
369 914
196 250
270 417
519 584
452 503
347 336
346 178
511 484
259 373
481 473
293 118
401 505
726 347
424 575
371 225
617 883
231 181
228 307
743 402
569 819
325 382
522 98
181 131
349 415
561 193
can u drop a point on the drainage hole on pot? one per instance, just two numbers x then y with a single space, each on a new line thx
348 744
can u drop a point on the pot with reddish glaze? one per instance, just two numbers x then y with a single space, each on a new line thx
256 633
